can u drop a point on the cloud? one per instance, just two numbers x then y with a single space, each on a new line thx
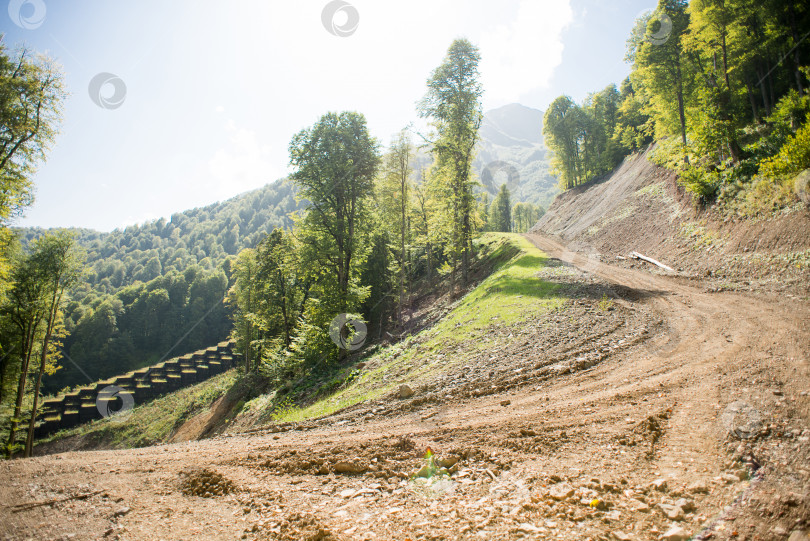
521 56
242 164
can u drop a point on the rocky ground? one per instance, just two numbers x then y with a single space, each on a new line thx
645 408
640 207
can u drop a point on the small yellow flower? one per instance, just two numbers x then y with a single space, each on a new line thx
594 502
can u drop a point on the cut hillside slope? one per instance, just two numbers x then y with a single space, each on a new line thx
182 415
616 403
640 207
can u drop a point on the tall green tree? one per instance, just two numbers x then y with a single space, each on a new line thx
60 262
32 92
394 198
565 127
661 67
40 281
243 298
501 211
284 284
453 105
335 163
524 216
26 309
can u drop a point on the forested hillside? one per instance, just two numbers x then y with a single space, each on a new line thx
512 146
722 87
155 290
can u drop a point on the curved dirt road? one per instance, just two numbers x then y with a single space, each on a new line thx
627 440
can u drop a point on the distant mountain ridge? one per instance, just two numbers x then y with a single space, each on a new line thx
513 125
512 143
147 284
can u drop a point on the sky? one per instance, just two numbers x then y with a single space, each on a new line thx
175 105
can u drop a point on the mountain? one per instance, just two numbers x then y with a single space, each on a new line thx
512 150
155 289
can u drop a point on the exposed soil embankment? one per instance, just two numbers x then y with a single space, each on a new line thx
641 408
640 207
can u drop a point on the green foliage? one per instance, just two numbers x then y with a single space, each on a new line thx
453 105
524 216
512 293
591 139
156 421
793 157
156 289
711 81
31 95
335 164
32 91
30 323
605 303
395 210
500 214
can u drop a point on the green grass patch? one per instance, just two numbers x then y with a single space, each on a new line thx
512 293
155 421
700 236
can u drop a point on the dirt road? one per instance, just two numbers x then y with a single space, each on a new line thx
613 424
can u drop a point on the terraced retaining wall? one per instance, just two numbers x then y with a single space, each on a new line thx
103 398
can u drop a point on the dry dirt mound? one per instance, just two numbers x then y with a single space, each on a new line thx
205 483
640 207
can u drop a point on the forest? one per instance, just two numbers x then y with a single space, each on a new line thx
155 290
305 270
271 268
722 88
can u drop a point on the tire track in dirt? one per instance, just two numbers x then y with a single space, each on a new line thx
647 409
716 335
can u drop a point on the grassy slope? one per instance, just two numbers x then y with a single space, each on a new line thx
510 294
153 422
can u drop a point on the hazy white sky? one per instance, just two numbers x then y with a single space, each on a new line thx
215 90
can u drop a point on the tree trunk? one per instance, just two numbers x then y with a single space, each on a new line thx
682 113
403 189
796 59
765 102
752 101
725 62
55 301
28 345
429 263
